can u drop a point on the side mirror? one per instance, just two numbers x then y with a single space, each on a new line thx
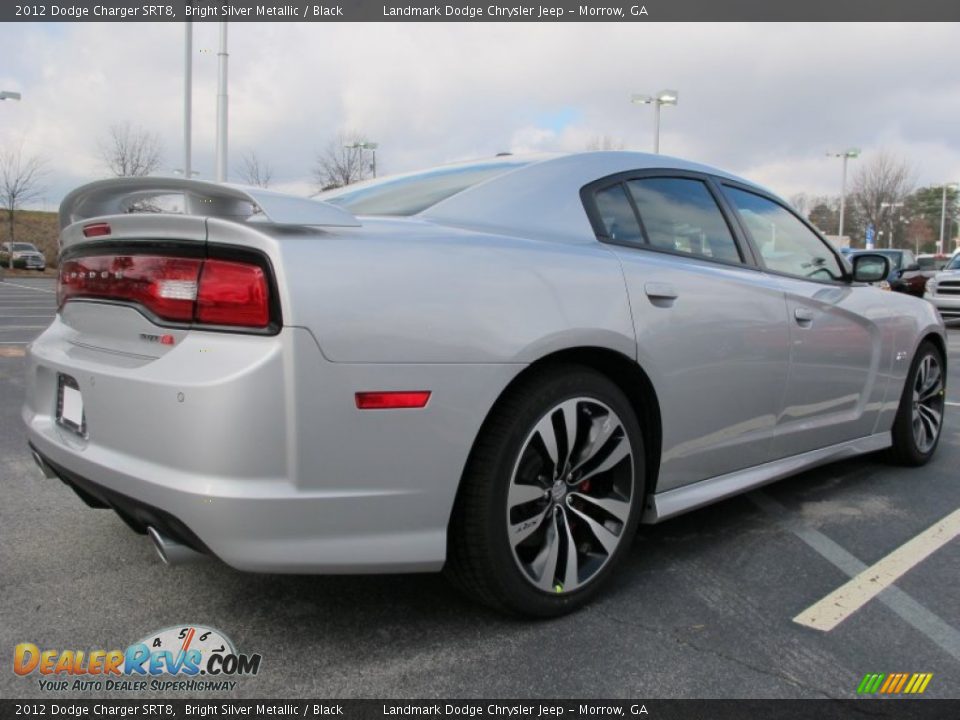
870 268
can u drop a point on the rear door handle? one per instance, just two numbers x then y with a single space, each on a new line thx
803 316
660 291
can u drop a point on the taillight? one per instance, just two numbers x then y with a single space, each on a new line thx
185 290
233 293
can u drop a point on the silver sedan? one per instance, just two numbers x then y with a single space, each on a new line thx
495 368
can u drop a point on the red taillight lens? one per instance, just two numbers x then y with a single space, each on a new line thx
213 292
165 286
233 293
392 399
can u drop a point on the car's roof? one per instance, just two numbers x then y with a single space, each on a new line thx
541 196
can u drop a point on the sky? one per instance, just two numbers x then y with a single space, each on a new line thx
764 101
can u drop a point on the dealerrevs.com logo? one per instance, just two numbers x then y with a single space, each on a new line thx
181 658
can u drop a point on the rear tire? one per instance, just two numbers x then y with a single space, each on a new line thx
917 427
538 526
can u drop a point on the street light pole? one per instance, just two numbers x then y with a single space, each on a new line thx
187 98
365 145
222 106
664 97
846 155
892 206
943 215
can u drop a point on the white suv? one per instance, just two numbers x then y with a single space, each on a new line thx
943 290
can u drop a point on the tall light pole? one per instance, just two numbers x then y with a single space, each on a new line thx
943 214
892 206
222 105
846 155
664 97
9 95
187 98
364 145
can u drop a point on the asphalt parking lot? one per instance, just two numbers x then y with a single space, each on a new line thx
704 607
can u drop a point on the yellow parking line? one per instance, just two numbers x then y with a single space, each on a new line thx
836 607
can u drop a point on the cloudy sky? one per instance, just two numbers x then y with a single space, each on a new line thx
761 100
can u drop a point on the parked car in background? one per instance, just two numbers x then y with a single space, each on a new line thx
943 290
905 275
25 255
497 368
931 262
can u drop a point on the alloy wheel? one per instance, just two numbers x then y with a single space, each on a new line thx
927 415
570 495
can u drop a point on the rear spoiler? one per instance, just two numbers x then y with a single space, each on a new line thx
206 199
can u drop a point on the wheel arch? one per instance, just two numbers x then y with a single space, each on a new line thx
622 370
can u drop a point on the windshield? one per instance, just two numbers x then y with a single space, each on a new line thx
954 264
411 194
24 246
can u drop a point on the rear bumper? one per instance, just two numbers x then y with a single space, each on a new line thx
265 463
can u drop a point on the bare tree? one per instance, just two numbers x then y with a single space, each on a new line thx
130 151
21 180
885 178
605 142
255 171
340 165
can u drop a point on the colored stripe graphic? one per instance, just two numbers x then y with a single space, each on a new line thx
894 683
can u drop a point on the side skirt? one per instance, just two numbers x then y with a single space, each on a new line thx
670 503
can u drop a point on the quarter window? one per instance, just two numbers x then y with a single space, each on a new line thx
617 215
680 215
785 243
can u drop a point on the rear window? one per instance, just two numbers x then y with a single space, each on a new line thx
411 194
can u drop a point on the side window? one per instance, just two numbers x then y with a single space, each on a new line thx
785 243
681 215
617 215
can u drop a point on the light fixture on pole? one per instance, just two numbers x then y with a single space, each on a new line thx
892 206
943 214
364 145
9 95
664 97
846 155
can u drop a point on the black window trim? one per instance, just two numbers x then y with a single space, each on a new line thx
748 256
743 187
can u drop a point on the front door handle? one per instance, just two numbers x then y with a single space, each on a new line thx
660 291
803 316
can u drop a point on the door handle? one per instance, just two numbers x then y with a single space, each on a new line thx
660 291
803 316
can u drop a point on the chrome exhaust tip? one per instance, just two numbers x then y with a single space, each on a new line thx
170 551
47 471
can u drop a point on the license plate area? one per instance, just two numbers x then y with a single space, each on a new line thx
70 413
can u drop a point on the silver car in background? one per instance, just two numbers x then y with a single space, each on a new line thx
495 368
943 290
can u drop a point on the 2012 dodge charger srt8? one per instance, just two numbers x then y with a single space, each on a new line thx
498 368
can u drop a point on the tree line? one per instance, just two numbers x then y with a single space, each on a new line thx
884 196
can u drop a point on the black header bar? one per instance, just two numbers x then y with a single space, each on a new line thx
480 10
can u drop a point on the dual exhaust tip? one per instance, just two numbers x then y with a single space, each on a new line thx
170 551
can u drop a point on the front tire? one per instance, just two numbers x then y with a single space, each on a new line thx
919 421
551 495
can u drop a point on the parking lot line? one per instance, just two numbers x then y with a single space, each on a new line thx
921 619
28 287
836 607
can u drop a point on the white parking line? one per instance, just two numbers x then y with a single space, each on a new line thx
28 287
939 632
836 607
